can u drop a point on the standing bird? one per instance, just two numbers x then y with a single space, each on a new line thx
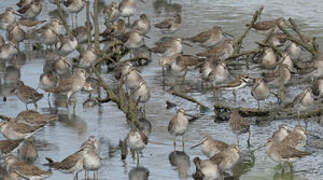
15 33
227 158
47 81
241 82
142 24
113 12
222 51
260 91
66 44
266 26
31 10
71 85
74 7
296 139
269 59
207 168
91 159
137 141
71 164
210 146
25 170
7 18
281 133
127 8
17 131
282 153
27 94
28 151
142 95
170 25
178 125
208 38
169 47
239 125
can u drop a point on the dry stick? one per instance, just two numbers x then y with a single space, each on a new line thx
4 117
299 42
238 43
89 37
189 98
247 52
61 16
96 24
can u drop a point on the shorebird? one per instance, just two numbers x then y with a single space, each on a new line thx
87 58
137 141
302 101
170 25
66 44
17 131
23 3
48 36
91 86
260 91
138 173
296 139
91 141
317 87
61 65
91 159
293 50
239 125
178 125
72 84
8 50
132 78
55 24
25 170
27 94
169 48
210 146
113 12
266 26
74 7
241 82
28 151
142 24
281 133
7 146
286 59
71 164
47 81
221 51
277 39
219 74
280 76
282 153
183 62
208 38
142 94
133 39
227 158
208 169
269 59
31 10
127 8
29 24
114 30
7 18
81 33
34 118
15 33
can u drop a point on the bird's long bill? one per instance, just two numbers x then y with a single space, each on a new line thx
187 44
258 148
228 34
198 144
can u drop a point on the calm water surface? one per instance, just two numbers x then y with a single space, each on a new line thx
109 125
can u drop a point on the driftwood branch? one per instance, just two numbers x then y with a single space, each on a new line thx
61 16
189 98
88 24
238 42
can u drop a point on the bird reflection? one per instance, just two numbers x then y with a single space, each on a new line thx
163 6
284 176
181 161
138 173
74 122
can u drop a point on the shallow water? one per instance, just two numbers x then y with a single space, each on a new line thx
109 125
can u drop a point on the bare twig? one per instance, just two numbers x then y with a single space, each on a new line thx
61 16
189 98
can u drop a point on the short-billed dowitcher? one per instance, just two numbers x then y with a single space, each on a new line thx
208 38
127 8
210 146
137 141
170 25
142 24
178 125
26 94
239 125
260 91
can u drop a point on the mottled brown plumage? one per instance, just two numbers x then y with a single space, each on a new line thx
267 25
7 146
34 118
239 125
27 94
170 24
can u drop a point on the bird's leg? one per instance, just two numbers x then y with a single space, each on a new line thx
258 105
183 142
234 95
237 139
26 106
137 158
298 119
72 20
174 143
86 173
249 137
291 166
128 20
35 104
